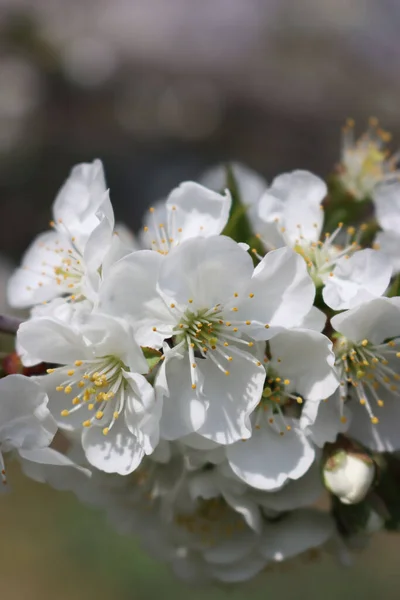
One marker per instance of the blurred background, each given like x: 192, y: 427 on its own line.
x: 160, y: 90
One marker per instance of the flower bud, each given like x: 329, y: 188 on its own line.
x: 349, y: 475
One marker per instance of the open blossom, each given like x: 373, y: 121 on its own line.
x: 67, y: 263
x: 207, y: 299
x: 365, y: 162
x: 386, y: 199
x: 26, y: 425
x: 191, y: 210
x: 290, y: 214
x: 300, y: 369
x: 368, y: 360
x: 99, y: 389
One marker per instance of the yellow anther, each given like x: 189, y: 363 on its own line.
x: 230, y: 358
x: 277, y: 379
x: 115, y: 415
x: 190, y: 300
x: 99, y: 414
x: 226, y: 344
x: 250, y: 344
x: 299, y: 400
x: 227, y: 373
x: 248, y: 322
x: 236, y: 294
x: 70, y: 372
x: 194, y: 386
x: 50, y: 371
x: 154, y: 328
x: 151, y: 209
x: 91, y: 406
x: 228, y: 323
x: 78, y: 363
x: 343, y: 419
x: 235, y: 309
x: 235, y: 329
x: 76, y: 401
x: 251, y: 295
x: 266, y: 326
x: 81, y: 384
x: 145, y: 229
x: 87, y: 423
x: 64, y: 413
x: 288, y: 428
x: 380, y: 403
x: 68, y: 389
x: 364, y: 343
x: 106, y: 430
x: 286, y: 381
x: 59, y: 388
x: 362, y: 401
x: 172, y: 305
x: 374, y: 420
x: 258, y: 363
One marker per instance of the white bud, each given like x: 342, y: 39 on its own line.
x: 349, y: 476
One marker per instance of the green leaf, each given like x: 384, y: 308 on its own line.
x: 152, y: 356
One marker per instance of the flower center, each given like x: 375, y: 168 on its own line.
x: 97, y: 388
x: 162, y: 237
x: 321, y: 257
x: 366, y: 369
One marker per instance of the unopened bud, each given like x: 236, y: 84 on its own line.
x: 349, y: 475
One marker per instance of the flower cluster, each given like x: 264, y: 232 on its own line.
x: 216, y: 376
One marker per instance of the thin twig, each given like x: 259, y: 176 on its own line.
x: 9, y: 324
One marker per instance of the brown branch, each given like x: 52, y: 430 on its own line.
x: 9, y: 324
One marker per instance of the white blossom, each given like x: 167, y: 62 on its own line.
x: 365, y: 161
x: 368, y: 354
x: 26, y: 425
x: 99, y: 390
x: 69, y: 261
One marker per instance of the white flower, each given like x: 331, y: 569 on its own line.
x: 291, y: 215
x: 365, y: 162
x: 357, y: 279
x: 386, y: 199
x: 368, y: 353
x: 349, y: 475
x: 290, y: 210
x: 207, y: 298
x: 69, y: 261
x: 100, y: 390
x: 297, y: 362
x: 191, y: 210
x: 26, y: 425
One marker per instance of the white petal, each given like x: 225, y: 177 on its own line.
x: 307, y: 360
x: 362, y: 277
x: 375, y: 321
x: 295, y: 494
x: 250, y: 185
x: 184, y: 410
x: 230, y: 398
x: 386, y: 198
x: 389, y: 244
x: 129, y: 290
x: 295, y: 533
x: 267, y: 460
x: 323, y: 420
x: 283, y: 294
x: 25, y: 421
x: 81, y: 197
x: 49, y: 466
x: 117, y: 452
x: 35, y: 281
x: 207, y: 271
x: 380, y: 437
x: 51, y: 341
x: 197, y: 211
x: 243, y: 570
